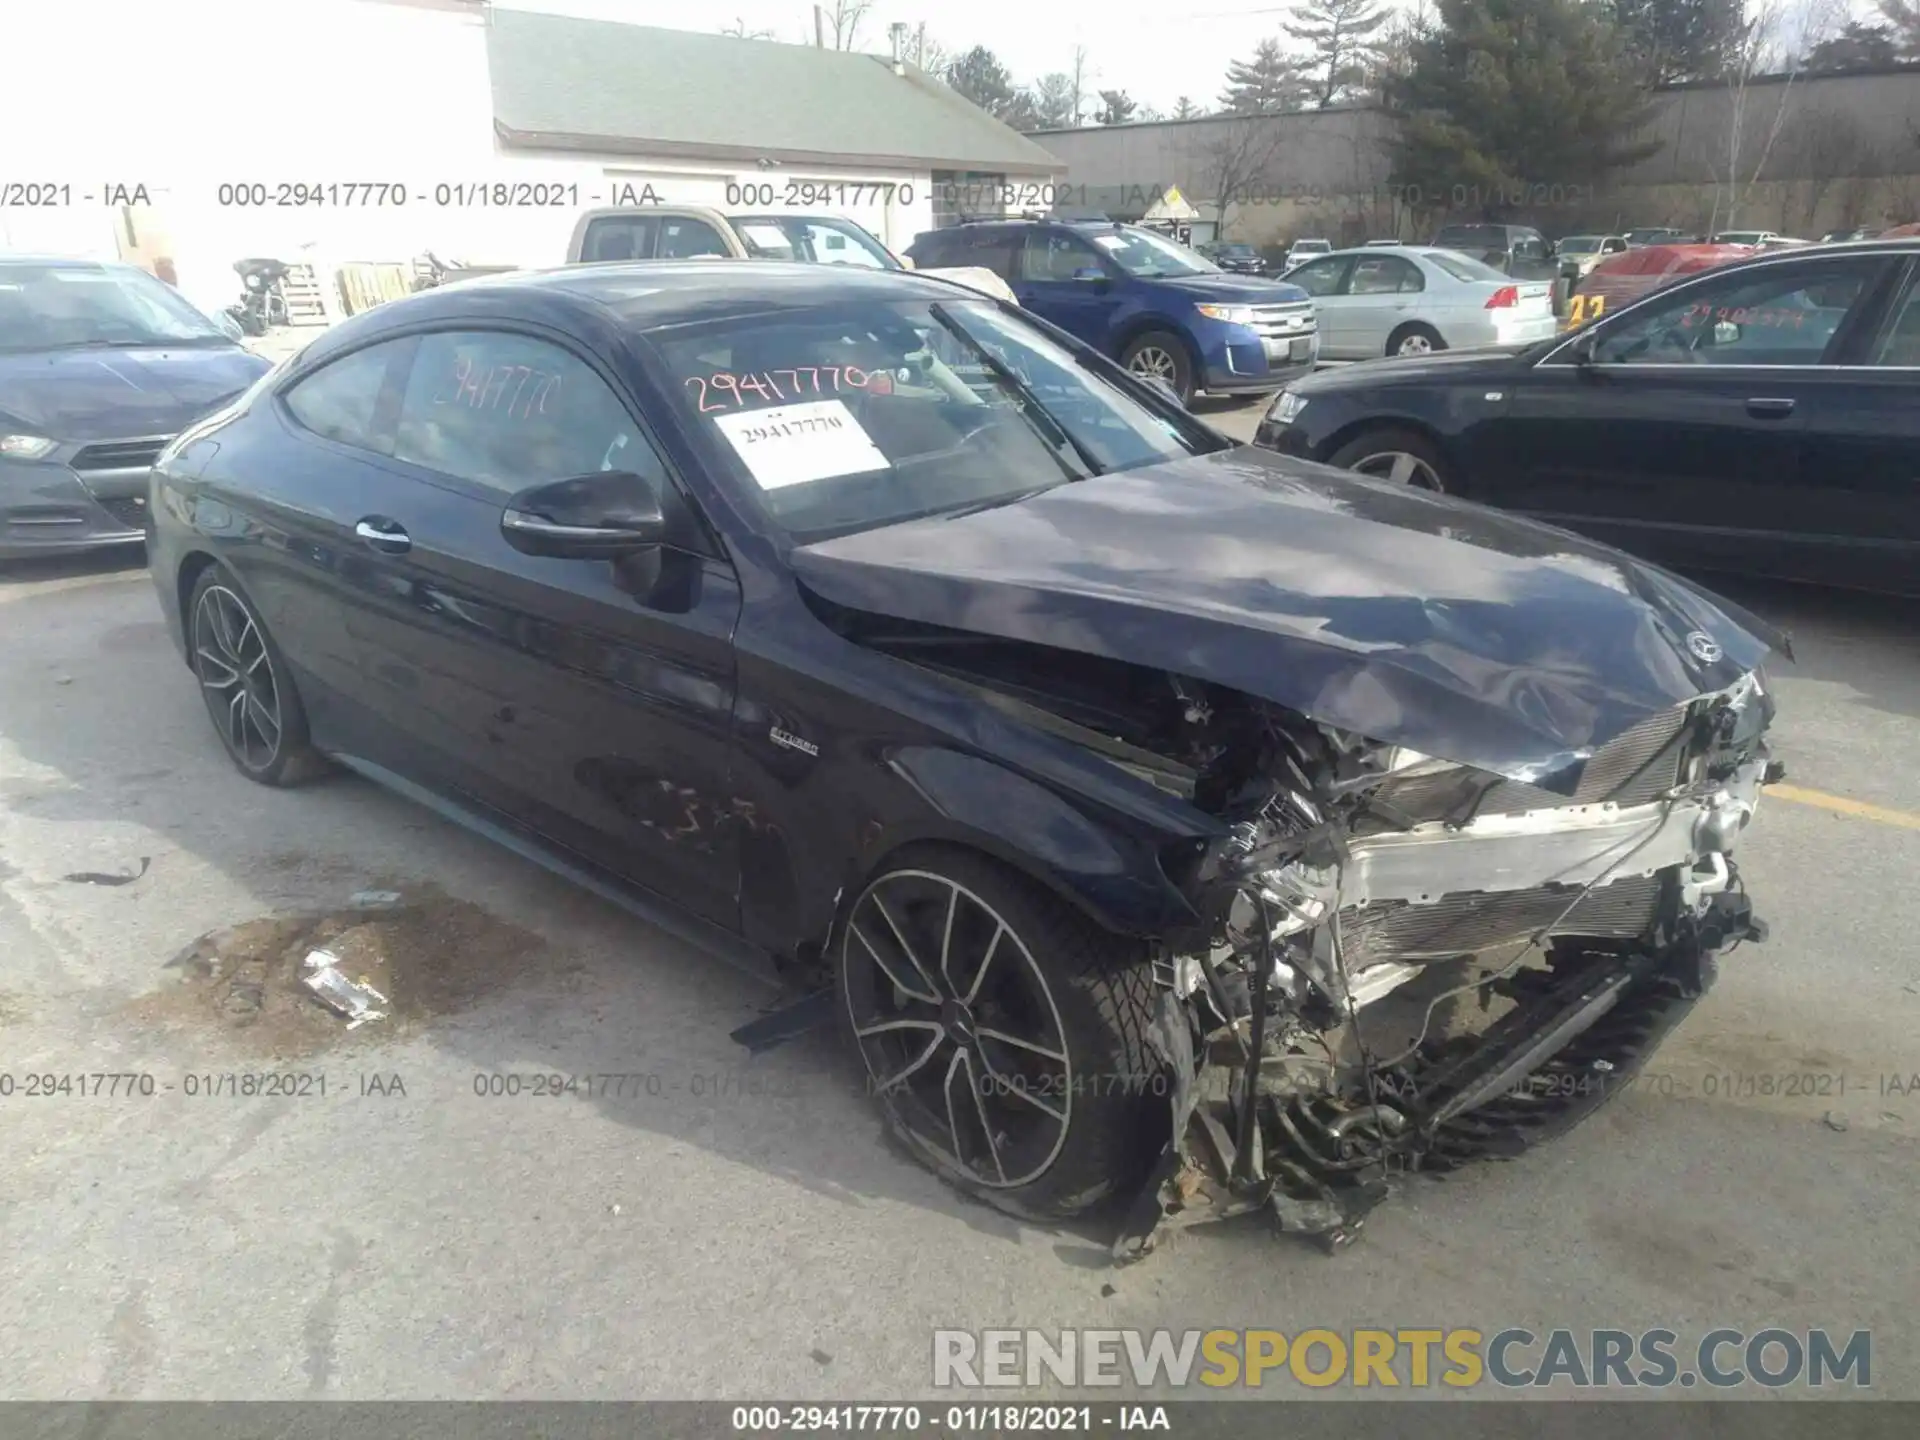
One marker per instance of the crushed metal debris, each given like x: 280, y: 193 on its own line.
x: 356, y: 1000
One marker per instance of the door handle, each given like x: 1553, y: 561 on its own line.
x: 1767, y: 407
x: 384, y: 534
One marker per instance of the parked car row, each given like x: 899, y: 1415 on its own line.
x: 1758, y: 416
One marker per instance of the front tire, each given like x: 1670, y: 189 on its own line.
x: 1402, y: 457
x: 1162, y: 355
x: 247, y: 685
x: 1003, y: 1035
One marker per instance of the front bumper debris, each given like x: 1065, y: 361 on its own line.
x: 1579, y: 1031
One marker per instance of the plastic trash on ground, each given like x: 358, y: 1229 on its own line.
x: 357, y: 1002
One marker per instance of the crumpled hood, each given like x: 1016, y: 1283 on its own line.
x: 120, y: 394
x: 1411, y: 618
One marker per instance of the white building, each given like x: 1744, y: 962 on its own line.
x: 330, y: 132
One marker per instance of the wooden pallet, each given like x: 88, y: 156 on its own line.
x: 305, y: 304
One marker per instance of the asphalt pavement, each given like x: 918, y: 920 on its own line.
x: 726, y: 1227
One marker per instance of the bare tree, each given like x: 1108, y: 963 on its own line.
x: 844, y: 18
x: 1756, y: 114
x: 1826, y: 146
x: 926, y: 52
x: 1236, y: 162
x: 739, y: 31
x: 1082, y: 76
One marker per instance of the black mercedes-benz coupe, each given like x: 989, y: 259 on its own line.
x: 1136, y: 800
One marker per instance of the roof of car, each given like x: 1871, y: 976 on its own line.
x: 646, y: 294
x: 64, y: 262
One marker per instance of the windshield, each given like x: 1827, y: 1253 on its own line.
x: 821, y: 240
x: 1147, y: 256
x: 1235, y: 250
x: 1314, y: 247
x: 1579, y: 244
x: 862, y: 413
x: 68, y: 307
x: 1465, y: 267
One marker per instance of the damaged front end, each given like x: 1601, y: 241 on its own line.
x: 1366, y: 899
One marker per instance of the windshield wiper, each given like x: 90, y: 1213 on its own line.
x: 1050, y: 430
x: 996, y: 501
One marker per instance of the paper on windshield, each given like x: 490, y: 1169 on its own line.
x: 1110, y: 242
x: 768, y: 237
x: 798, y: 444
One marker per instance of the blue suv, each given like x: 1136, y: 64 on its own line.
x: 1160, y: 309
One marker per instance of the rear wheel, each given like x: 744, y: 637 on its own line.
x: 1162, y: 355
x: 1400, y: 456
x: 1003, y: 1035
x: 1415, y: 339
x: 247, y: 686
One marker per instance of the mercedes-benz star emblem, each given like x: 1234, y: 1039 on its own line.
x: 1703, y: 647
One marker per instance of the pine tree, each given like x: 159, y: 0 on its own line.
x: 1116, y: 108
x: 1185, y: 109
x: 1340, y: 37
x: 1682, y: 39
x: 980, y: 77
x: 1265, y: 85
x: 1508, y: 95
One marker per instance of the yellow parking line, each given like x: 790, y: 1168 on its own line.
x: 1840, y: 805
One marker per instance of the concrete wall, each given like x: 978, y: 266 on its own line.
x: 185, y: 100
x: 1829, y: 152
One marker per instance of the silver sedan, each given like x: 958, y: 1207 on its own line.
x: 1414, y: 299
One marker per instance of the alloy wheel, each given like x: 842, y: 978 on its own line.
x: 1414, y: 344
x: 1400, y: 468
x: 959, y: 1032
x: 1151, y: 362
x: 236, y: 676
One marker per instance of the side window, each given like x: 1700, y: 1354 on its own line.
x: 340, y: 401
x: 619, y: 237
x: 684, y: 239
x: 1901, y: 347
x: 1614, y: 245
x: 995, y: 250
x: 1385, y: 275
x: 1529, y: 247
x: 831, y: 245
x: 1783, y: 315
x: 508, y: 411
x: 1049, y: 255
x: 1321, y: 277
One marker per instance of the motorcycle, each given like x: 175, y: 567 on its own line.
x: 430, y: 272
x: 263, y: 303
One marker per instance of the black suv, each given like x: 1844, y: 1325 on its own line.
x: 1164, y: 311
x: 1519, y: 250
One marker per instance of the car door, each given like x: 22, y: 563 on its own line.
x: 1326, y: 281
x: 588, y: 700
x: 289, y: 493
x: 1382, y: 294
x: 1683, y: 435
x: 1858, y: 506
x: 1045, y: 283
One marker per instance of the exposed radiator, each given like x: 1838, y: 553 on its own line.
x: 1473, y: 922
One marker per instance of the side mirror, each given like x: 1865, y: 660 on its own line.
x: 590, y: 517
x: 1090, y: 275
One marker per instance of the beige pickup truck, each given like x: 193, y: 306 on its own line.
x: 690, y: 232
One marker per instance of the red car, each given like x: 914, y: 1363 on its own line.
x: 1623, y: 278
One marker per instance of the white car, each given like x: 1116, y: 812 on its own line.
x: 1578, y: 254
x: 1415, y: 299
x: 1304, y: 250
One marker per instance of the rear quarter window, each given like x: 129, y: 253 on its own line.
x: 341, y: 401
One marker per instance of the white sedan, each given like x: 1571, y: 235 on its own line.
x: 1414, y: 299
